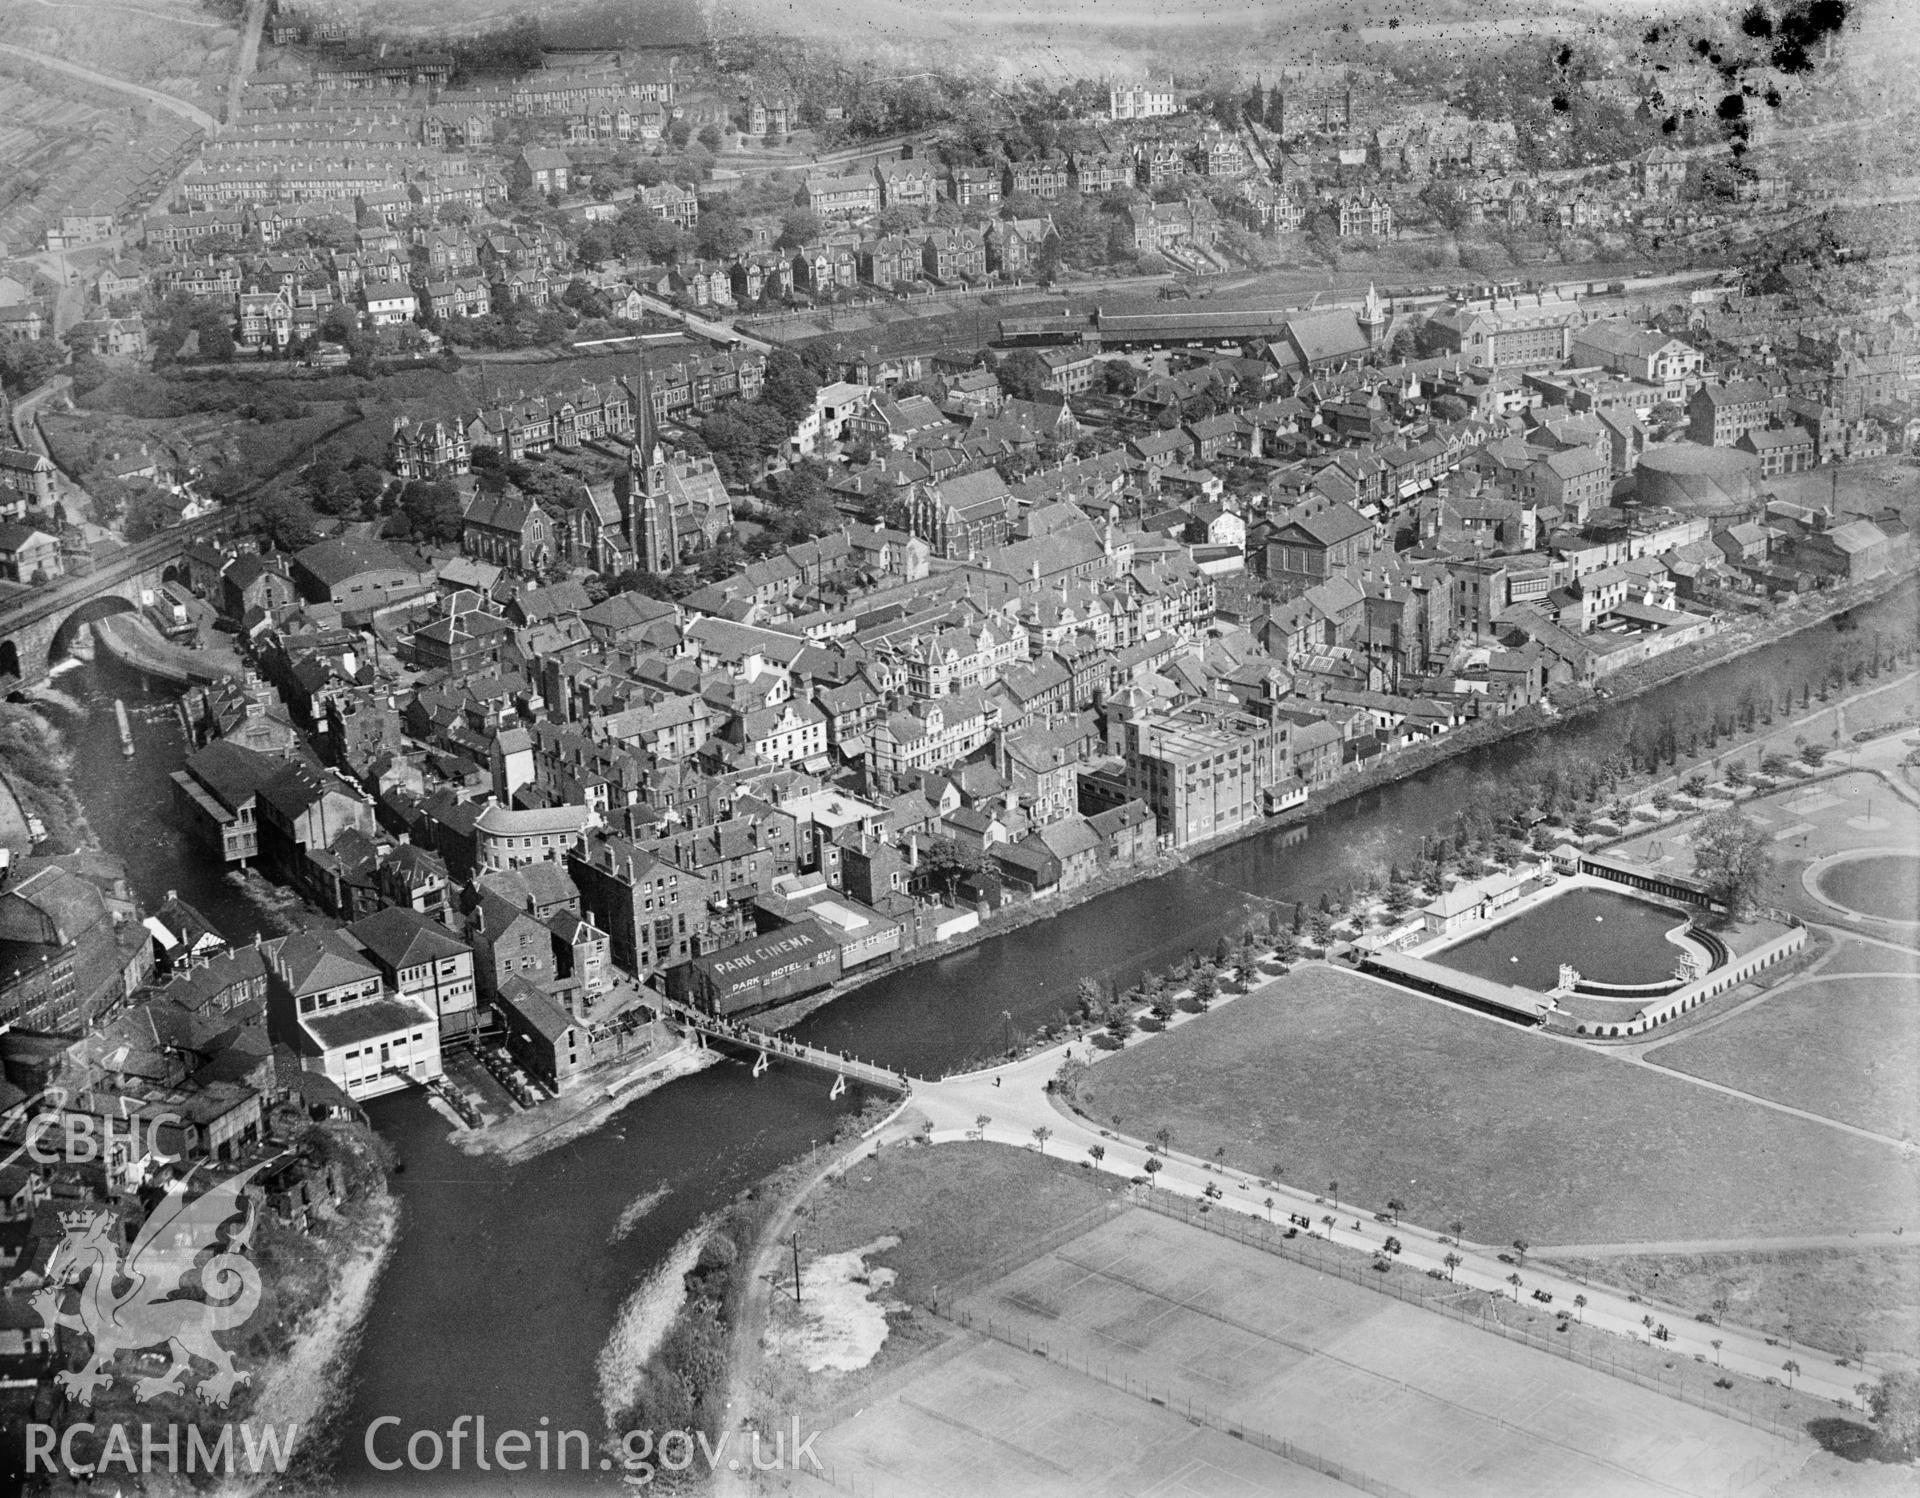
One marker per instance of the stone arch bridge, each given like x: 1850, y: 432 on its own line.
x: 37, y: 628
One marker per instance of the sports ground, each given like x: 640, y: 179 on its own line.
x: 1161, y: 1341
x: 991, y: 1419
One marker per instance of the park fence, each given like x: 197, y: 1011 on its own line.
x: 1329, y: 1260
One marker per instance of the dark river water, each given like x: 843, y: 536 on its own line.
x: 505, y: 1282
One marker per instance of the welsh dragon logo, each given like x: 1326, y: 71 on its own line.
x: 88, y: 1265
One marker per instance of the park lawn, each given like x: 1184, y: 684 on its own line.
x: 962, y: 1212
x: 1328, y: 1076
x: 1868, y: 957
x: 1836, y: 1298
x: 1842, y: 1047
x: 1836, y: 1472
x: 1895, y: 704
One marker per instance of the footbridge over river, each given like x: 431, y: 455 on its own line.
x: 37, y: 627
x: 769, y: 1047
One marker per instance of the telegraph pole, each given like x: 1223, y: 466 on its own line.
x: 794, y: 1244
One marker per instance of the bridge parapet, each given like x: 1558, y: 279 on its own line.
x: 34, y: 624
x: 770, y: 1045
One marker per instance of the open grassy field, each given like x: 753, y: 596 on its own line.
x: 961, y: 1212
x: 1338, y: 1078
x: 1407, y: 1397
x: 176, y: 48
x: 1870, y: 957
x: 1829, y: 1474
x: 1837, y: 1299
x: 1896, y: 704
x: 1842, y: 1047
x: 991, y: 1422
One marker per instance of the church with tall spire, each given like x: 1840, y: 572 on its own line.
x: 671, y: 504
x: 648, y: 506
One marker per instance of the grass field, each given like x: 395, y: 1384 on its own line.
x: 1407, y: 1397
x: 1869, y: 957
x: 1835, y: 1298
x: 1897, y: 704
x: 1842, y: 1047
x: 175, y: 48
x: 1514, y: 1135
x: 992, y: 1422
x: 961, y: 1212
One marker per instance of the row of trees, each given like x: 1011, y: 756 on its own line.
x: 1655, y: 739
x: 1202, y: 979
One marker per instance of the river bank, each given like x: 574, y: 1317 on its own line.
x: 307, y: 1384
x: 1721, y: 649
x: 1398, y: 765
x: 676, y: 1353
x: 1002, y: 922
x: 599, y: 1096
x: 36, y: 777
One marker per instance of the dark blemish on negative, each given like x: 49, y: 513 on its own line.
x: 1800, y: 28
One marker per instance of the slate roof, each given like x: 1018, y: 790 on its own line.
x: 400, y: 938
x: 343, y: 557
x: 314, y: 961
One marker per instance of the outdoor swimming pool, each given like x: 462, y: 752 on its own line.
x: 1610, y: 937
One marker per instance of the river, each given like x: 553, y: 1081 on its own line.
x: 504, y: 1283
x: 945, y: 1014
